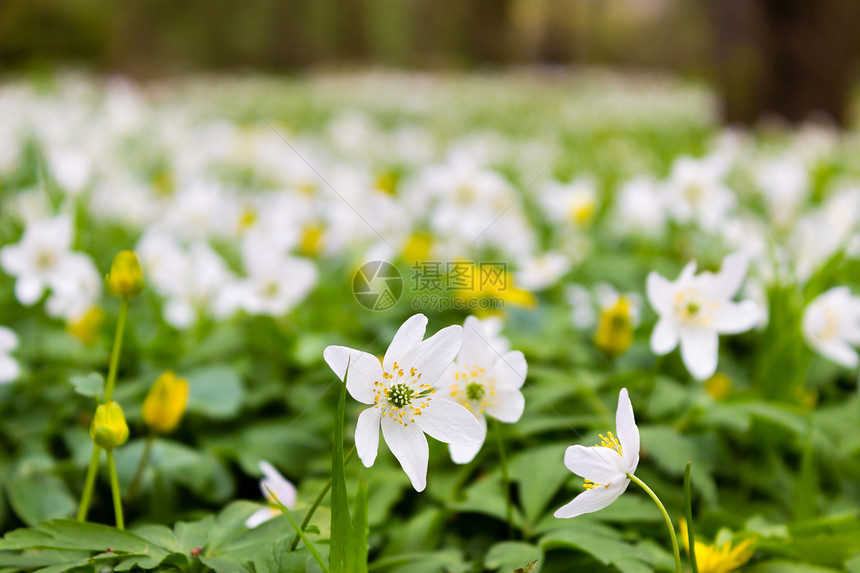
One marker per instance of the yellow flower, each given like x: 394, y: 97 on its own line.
x: 418, y: 247
x: 615, y: 328
x: 109, y: 429
x: 719, y: 386
x: 86, y: 328
x: 166, y: 402
x: 311, y: 242
x: 722, y: 559
x: 125, y: 278
x: 489, y: 281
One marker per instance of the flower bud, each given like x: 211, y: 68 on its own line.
x: 125, y: 277
x: 109, y: 429
x: 615, y: 328
x: 166, y: 402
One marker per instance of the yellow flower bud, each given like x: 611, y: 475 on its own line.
x: 125, y: 277
x: 615, y: 328
x: 166, y: 402
x: 109, y: 429
x: 719, y: 386
x: 86, y: 328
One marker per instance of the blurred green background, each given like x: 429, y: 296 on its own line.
x: 792, y: 58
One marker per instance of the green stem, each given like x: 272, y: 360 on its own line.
x: 114, y: 487
x: 668, y: 519
x: 117, y: 345
x: 317, y: 501
x: 90, y: 482
x: 300, y: 533
x: 688, y: 506
x: 506, y: 482
x: 141, y: 467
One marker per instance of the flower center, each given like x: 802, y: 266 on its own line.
x: 591, y: 485
x: 400, y: 395
x: 45, y: 260
x: 611, y: 442
x: 475, y: 391
x: 692, y: 308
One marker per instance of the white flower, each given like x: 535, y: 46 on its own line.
x: 605, y: 467
x: 42, y: 259
x: 272, y: 484
x: 9, y: 368
x: 573, y: 203
x: 542, y: 271
x: 485, y: 382
x: 831, y: 326
x: 695, y: 309
x: 696, y: 193
x: 640, y: 208
x: 402, y: 394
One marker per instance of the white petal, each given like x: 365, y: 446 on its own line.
x: 449, y: 422
x: 510, y: 370
x: 687, y: 272
x: 659, y: 292
x: 732, y: 274
x: 476, y: 349
x: 465, y: 453
x: 260, y: 516
x: 8, y: 339
x: 28, y: 289
x: 432, y: 356
x: 507, y: 406
x: 9, y: 369
x: 595, y: 463
x: 364, y: 370
x: 278, y: 485
x: 592, y: 500
x: 408, y: 335
x: 732, y: 317
x: 367, y: 435
x: 700, y: 351
x: 13, y: 259
x: 409, y: 446
x: 627, y: 431
x: 664, y: 337
x: 838, y: 351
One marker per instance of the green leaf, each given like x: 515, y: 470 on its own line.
x: 509, y: 555
x: 787, y: 567
x: 92, y: 384
x: 853, y: 564
x: 532, y: 567
x: 215, y: 391
x: 278, y: 559
x: 223, y: 565
x: 341, y: 559
x: 359, y: 527
x: 37, y: 495
x: 537, y: 488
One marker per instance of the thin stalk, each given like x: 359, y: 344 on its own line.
x: 668, y: 519
x: 316, y: 503
x: 117, y: 345
x: 114, y: 487
x: 300, y: 530
x: 141, y: 467
x: 506, y: 482
x: 688, y: 507
x: 90, y: 482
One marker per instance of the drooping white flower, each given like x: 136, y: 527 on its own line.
x: 402, y: 394
x: 605, y: 467
x: 831, y: 326
x: 272, y: 484
x: 9, y: 368
x: 695, y: 309
x: 485, y: 382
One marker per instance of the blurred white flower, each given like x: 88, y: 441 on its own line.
x: 605, y: 467
x: 640, y: 208
x: 695, y: 309
x: 697, y: 194
x: 587, y: 305
x: 573, y: 203
x: 197, y: 289
x: 401, y: 392
x: 42, y: 261
x: 542, y: 271
x: 485, y: 382
x: 831, y: 326
x: 784, y: 182
x: 272, y: 484
x: 9, y: 368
